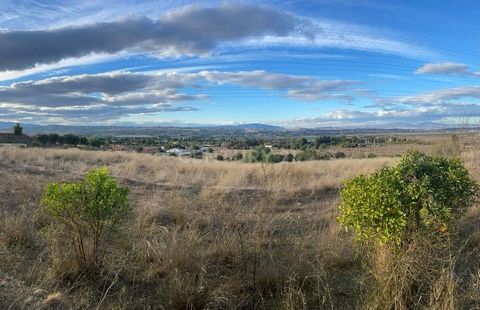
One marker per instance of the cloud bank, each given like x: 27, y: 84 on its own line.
x: 429, y: 108
x: 110, y: 96
x: 192, y: 31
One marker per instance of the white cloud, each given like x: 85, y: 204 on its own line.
x: 435, y: 116
x: 437, y: 97
x: 298, y: 87
x: 449, y: 68
x: 430, y: 108
x: 93, y: 97
x: 193, y: 30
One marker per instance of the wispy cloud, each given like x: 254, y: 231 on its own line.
x: 436, y: 97
x: 299, y: 87
x: 58, y: 67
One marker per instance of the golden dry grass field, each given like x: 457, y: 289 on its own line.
x: 211, y: 235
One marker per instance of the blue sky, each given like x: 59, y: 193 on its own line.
x: 291, y: 63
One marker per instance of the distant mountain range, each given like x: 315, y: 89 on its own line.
x: 136, y: 129
x: 217, y: 131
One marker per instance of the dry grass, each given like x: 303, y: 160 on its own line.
x: 187, y: 172
x: 207, y: 234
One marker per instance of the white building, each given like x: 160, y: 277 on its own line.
x: 178, y: 152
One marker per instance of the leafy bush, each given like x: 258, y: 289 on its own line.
x: 308, y: 154
x: 89, y: 210
x: 275, y: 158
x: 340, y: 155
x: 237, y: 156
x: 220, y: 157
x: 311, y: 154
x: 257, y: 155
x: 420, y: 192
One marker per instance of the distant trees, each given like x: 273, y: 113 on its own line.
x: 51, y: 138
x: 68, y: 139
x: 95, y: 142
x: 17, y: 129
x: 311, y: 154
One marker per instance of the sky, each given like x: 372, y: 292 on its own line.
x: 321, y: 63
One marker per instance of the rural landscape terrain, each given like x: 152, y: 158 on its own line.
x: 218, y: 234
x: 239, y: 154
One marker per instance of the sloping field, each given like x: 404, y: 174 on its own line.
x: 203, y: 234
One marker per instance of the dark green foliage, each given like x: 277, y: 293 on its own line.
x: 52, y: 138
x: 238, y: 156
x: 95, y: 142
x: 339, y: 155
x: 220, y: 157
x: 421, y: 192
x: 17, y: 129
x: 275, y: 158
x: 68, y: 139
x: 311, y: 154
x: 258, y: 155
x: 89, y: 211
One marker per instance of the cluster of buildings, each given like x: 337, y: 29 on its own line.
x: 161, y: 151
x: 24, y: 140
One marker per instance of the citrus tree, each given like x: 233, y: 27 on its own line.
x: 421, y: 192
x: 90, y: 210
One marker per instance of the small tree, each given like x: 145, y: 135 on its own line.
x: 421, y: 192
x: 238, y: 156
x: 17, y: 129
x: 90, y: 210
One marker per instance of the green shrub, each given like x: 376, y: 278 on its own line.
x: 220, y: 157
x: 275, y: 158
x: 420, y: 192
x: 89, y: 210
x: 308, y: 154
x: 340, y: 155
x: 237, y: 156
x: 258, y: 155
